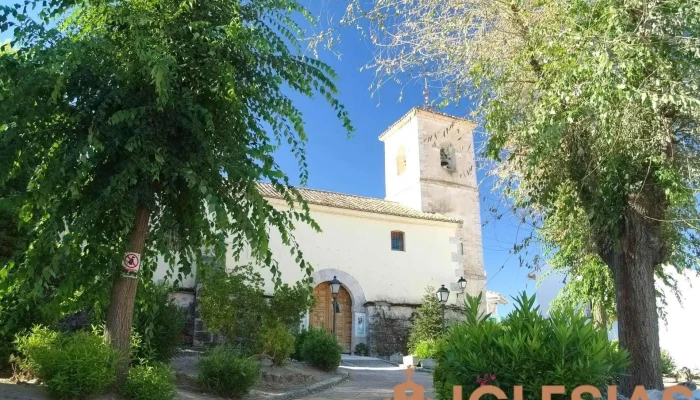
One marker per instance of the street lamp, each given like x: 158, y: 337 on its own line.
x: 462, y: 284
x: 335, y: 289
x: 442, y: 295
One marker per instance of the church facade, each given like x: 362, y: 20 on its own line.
x: 385, y: 252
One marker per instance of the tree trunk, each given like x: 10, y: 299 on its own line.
x: 600, y: 316
x: 121, y: 306
x: 633, y: 261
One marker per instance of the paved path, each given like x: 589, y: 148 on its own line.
x: 372, y: 379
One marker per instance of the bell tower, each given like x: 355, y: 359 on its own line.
x: 429, y: 166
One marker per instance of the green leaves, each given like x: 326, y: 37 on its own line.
x: 174, y: 105
x: 526, y: 349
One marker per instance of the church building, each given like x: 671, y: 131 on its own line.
x: 385, y: 252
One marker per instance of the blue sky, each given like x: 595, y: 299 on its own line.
x: 355, y: 165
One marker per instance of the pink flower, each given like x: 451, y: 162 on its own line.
x: 493, y: 377
x: 482, y: 383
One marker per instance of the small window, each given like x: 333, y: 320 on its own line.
x: 397, y: 241
x: 400, y: 160
x: 447, y: 157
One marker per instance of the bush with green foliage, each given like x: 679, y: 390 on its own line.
x: 277, y: 343
x: 361, y: 349
x: 299, y: 340
x: 525, y: 349
x: 225, y: 372
x: 159, y: 322
x: 289, y: 304
x: 321, y: 349
x: 233, y: 304
x: 668, y: 365
x: 150, y: 382
x: 72, y: 366
x: 428, y: 323
x: 426, y: 349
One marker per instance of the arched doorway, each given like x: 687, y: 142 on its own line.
x: 322, y: 314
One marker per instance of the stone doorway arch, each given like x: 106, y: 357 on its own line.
x: 356, y: 312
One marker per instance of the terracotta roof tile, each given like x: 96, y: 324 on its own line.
x: 357, y: 203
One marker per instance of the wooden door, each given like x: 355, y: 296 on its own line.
x: 322, y: 313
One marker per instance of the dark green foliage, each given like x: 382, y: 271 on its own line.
x: 299, y: 340
x: 321, y: 349
x: 525, y: 349
x: 668, y: 365
x: 428, y: 323
x: 176, y: 107
x: 159, y: 323
x: 361, y: 349
x: 277, y: 343
x: 225, y: 372
x: 72, y: 366
x: 150, y: 382
x: 18, y: 313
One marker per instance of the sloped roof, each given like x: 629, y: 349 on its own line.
x: 357, y: 203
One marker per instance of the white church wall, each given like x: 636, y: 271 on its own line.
x: 360, y: 244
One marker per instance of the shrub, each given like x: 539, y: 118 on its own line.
x: 71, y: 365
x: 233, y: 304
x: 299, y: 343
x: 428, y: 323
x: 361, y: 349
x: 668, y: 365
x: 425, y: 349
x: 278, y: 343
x: 525, y: 349
x: 223, y: 371
x: 150, y: 382
x: 289, y: 304
x: 321, y: 350
x: 159, y: 322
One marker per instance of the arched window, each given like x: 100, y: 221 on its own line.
x: 447, y: 157
x: 397, y: 241
x: 400, y: 160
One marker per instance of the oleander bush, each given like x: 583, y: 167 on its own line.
x: 150, y: 382
x: 525, y: 349
x: 224, y: 371
x: 72, y: 366
x: 321, y: 350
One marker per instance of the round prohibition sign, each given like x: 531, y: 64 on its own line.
x: 132, y: 262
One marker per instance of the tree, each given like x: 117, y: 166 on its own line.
x: 428, y: 323
x: 144, y: 126
x: 591, y: 112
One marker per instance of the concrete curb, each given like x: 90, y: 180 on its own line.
x: 295, y: 394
